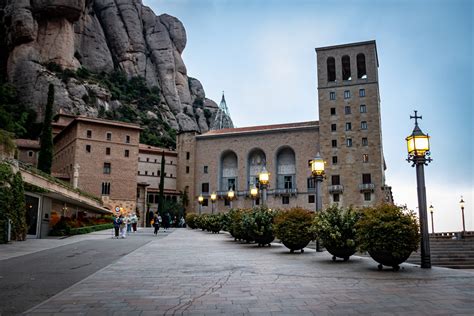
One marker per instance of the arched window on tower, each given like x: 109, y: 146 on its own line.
x: 256, y: 161
x: 331, y: 64
x: 286, y: 169
x: 361, y: 70
x: 346, y: 68
x: 229, y: 171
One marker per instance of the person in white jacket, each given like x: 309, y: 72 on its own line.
x: 123, y: 227
x: 134, y: 221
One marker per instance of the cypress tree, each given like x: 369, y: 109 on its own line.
x: 45, y: 158
x: 161, y: 193
x: 18, y: 207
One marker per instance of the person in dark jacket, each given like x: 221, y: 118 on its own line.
x: 156, y: 223
x: 117, y: 222
x: 166, y: 221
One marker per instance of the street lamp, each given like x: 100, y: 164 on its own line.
x: 461, y: 204
x: 230, y: 196
x: 432, y: 223
x: 317, y: 170
x: 254, y: 194
x: 200, y: 200
x: 418, y: 145
x: 213, y: 200
x: 264, y: 179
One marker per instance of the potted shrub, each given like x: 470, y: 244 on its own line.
x: 258, y: 224
x: 239, y: 232
x: 191, y: 220
x: 214, y: 223
x: 335, y: 227
x: 389, y: 234
x: 293, y: 228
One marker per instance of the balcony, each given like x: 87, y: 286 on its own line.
x: 285, y: 192
x: 367, y: 187
x: 337, y: 188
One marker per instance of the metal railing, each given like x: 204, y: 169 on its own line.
x: 336, y: 188
x: 367, y: 186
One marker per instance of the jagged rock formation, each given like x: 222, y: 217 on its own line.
x: 99, y: 36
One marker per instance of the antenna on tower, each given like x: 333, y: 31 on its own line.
x: 222, y: 119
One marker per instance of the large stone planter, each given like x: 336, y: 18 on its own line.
x: 387, y: 259
x: 264, y: 239
x: 296, y: 246
x: 341, y: 252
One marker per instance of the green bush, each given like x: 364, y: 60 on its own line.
x: 214, y: 223
x: 389, y: 230
x: 191, y: 220
x: 89, y: 229
x: 293, y: 228
x: 238, y: 230
x: 258, y: 224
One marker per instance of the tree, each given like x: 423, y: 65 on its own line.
x: 18, y: 208
x: 161, y: 193
x: 45, y: 158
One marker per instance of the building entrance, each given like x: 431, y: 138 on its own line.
x: 32, y: 215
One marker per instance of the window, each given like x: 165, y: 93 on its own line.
x: 363, y: 125
x: 89, y: 133
x: 127, y: 139
x: 367, y: 196
x: 107, y: 151
x: 331, y: 67
x: 361, y: 70
x: 171, y: 162
x: 205, y: 169
x: 336, y: 197
x: 30, y: 153
x: 366, y: 178
x: 187, y: 169
x: 107, y: 167
x: 333, y: 127
x: 311, y: 183
x: 205, y: 202
x: 148, y: 160
x: 347, y: 94
x: 349, y: 142
x: 109, y: 136
x: 332, y: 95
x: 311, y: 199
x: 205, y: 187
x: 231, y: 184
x: 146, y: 172
x: 334, y: 143
x: 226, y: 202
x: 346, y: 68
x: 138, y: 172
x: 365, y: 141
x: 88, y: 148
x: 285, y: 200
x: 288, y: 182
x: 333, y: 111
x: 105, y: 188
x: 188, y: 155
x: 348, y: 126
x: 158, y: 173
x: 334, y: 160
x: 361, y: 92
x: 365, y: 158
x: 153, y: 173
x: 127, y: 153
x: 347, y: 109
x: 363, y: 108
x: 335, y: 179
x: 257, y: 201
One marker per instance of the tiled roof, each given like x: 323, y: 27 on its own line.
x: 158, y: 150
x: 27, y: 143
x: 108, y: 122
x: 261, y: 128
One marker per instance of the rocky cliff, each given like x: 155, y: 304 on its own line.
x: 82, y: 45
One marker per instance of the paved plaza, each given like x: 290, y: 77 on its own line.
x: 192, y: 272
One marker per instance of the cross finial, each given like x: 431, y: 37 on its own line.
x: 416, y: 117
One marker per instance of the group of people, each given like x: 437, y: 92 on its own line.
x: 166, y: 221
x: 124, y: 225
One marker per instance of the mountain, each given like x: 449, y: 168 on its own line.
x: 106, y: 58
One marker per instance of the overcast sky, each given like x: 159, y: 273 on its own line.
x: 261, y: 53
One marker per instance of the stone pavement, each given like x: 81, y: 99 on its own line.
x: 198, y: 273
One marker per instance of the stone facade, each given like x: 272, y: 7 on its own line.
x: 100, y: 157
x: 28, y: 151
x: 349, y: 113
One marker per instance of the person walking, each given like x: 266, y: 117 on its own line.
x: 156, y: 223
x: 123, y: 227
x: 128, y: 220
x: 166, y: 221
x: 134, y: 220
x: 117, y: 222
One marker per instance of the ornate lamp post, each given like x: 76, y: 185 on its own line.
x: 418, y: 145
x: 200, y: 200
x: 317, y: 170
x: 461, y: 204
x: 254, y: 194
x: 432, y: 223
x: 264, y: 179
x: 213, y: 200
x: 230, y: 196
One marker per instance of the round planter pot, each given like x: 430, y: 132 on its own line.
x: 387, y: 259
x: 263, y: 240
x: 296, y: 246
x: 342, y: 252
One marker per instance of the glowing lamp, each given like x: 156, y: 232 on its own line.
x: 231, y: 194
x: 317, y: 165
x: 264, y: 176
x: 254, y: 192
x: 418, y: 144
x: 213, y: 196
x: 200, y: 199
x: 461, y: 203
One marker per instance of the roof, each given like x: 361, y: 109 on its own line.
x: 155, y: 150
x: 27, y: 143
x: 262, y: 128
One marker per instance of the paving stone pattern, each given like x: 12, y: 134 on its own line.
x: 197, y: 273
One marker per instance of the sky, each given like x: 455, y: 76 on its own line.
x: 261, y: 53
